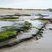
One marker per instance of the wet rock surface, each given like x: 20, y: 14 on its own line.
x: 42, y: 45
x: 24, y: 36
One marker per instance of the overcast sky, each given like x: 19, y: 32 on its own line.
x: 26, y: 3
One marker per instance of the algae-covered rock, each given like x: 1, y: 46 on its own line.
x: 12, y: 31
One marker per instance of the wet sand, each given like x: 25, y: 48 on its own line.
x: 42, y: 45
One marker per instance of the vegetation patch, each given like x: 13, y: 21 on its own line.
x: 10, y: 18
x: 5, y: 35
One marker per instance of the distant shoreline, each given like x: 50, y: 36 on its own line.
x: 24, y: 9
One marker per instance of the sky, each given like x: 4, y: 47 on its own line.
x: 26, y: 4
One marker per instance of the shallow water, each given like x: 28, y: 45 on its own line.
x: 43, y: 12
x: 35, y: 23
x: 5, y: 23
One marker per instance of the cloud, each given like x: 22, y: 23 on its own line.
x: 26, y: 3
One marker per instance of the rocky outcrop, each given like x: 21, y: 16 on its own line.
x: 23, y: 37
